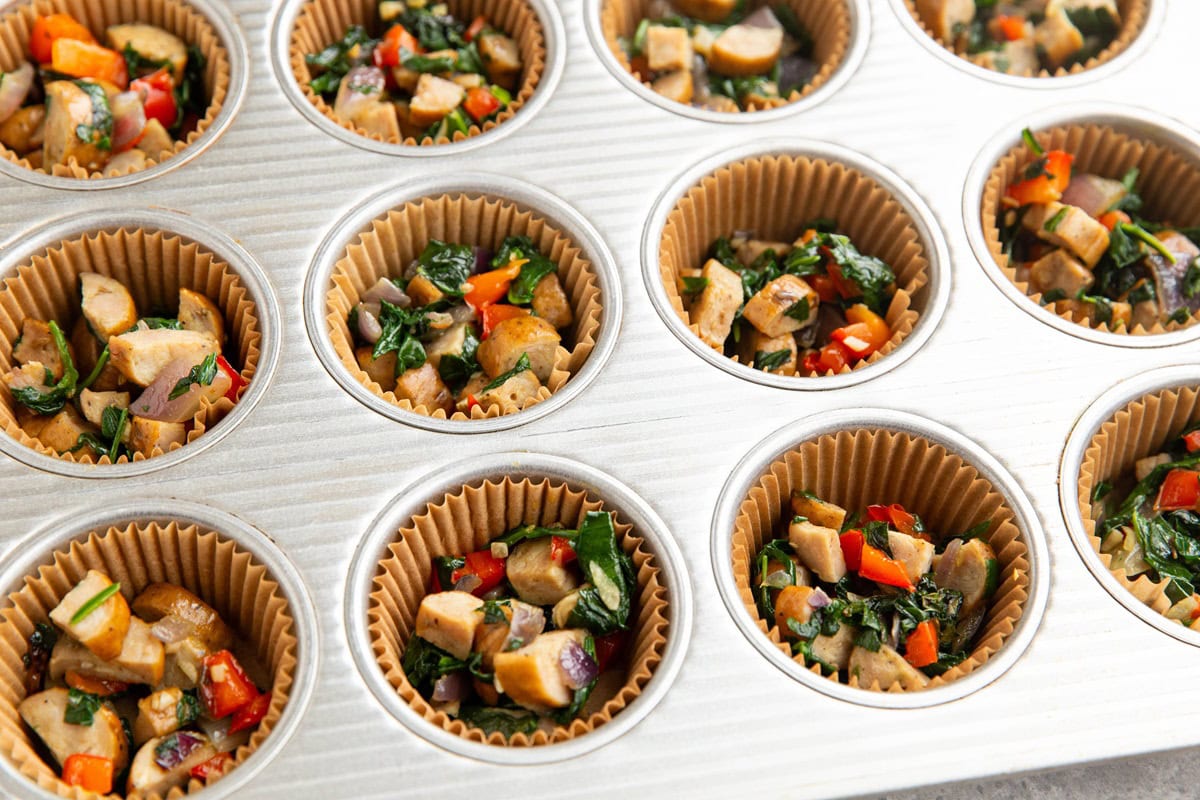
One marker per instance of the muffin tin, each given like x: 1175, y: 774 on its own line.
x: 313, y: 467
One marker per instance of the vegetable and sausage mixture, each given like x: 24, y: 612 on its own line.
x: 428, y: 76
x: 713, y: 54
x: 123, y: 383
x: 164, y: 662
x: 878, y: 601
x: 517, y: 635
x: 811, y: 306
x: 464, y: 328
x: 1023, y: 37
x: 101, y: 108
x: 1078, y: 239
x: 1155, y: 530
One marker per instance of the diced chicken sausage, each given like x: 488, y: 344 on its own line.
x: 37, y: 344
x: 745, y: 50
x: 105, y: 737
x: 107, y: 305
x: 835, y: 650
x: 550, y: 302
x: 94, y: 403
x: 155, y: 140
x: 707, y: 10
x: 1144, y: 466
x: 783, y: 306
x: 434, y: 98
x: 1114, y: 313
x: 1058, y: 39
x: 668, y: 48
x: 63, y: 430
x: 87, y: 349
x: 491, y: 637
x: 1059, y: 271
x: 142, y: 354
x: 532, y: 675
x: 69, y: 110
x: 141, y: 659
x: 817, y: 511
x: 792, y: 603
x: 449, y: 343
x: 448, y: 620
x: 757, y: 343
x: 819, y: 548
x: 25, y: 129
x: 422, y: 291
x: 885, y: 667
x: 915, y: 554
x: 536, y: 577
x: 422, y: 386
x: 157, y: 714
x: 512, y: 395
x: 151, y: 43
x: 677, y: 86
x: 382, y: 370
x: 501, y: 59
x: 974, y: 572
x: 146, y: 776
x: 1069, y: 227
x: 713, y: 312
x: 103, y: 630
x: 147, y: 434
x: 200, y: 314
x: 530, y: 335
x: 1014, y: 58
x: 160, y: 600
x: 946, y: 17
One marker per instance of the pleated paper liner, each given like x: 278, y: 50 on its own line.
x: 828, y: 22
x: 396, y: 238
x: 774, y: 196
x: 204, y: 562
x: 1133, y: 19
x: 322, y: 22
x: 1168, y: 182
x: 153, y: 265
x: 174, y: 16
x: 1143, y: 427
x: 866, y: 466
x: 466, y: 520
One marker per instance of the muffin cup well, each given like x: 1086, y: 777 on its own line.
x: 309, y: 26
x: 840, y: 30
x: 1136, y: 19
x: 1134, y: 419
x: 223, y: 560
x: 154, y: 253
x: 773, y: 188
x: 384, y: 235
x: 1108, y: 140
x: 202, y: 23
x: 877, y: 456
x: 461, y: 509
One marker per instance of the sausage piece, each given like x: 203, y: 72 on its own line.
x: 105, y: 737
x: 103, y: 630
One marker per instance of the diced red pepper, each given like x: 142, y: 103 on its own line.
x: 1180, y: 489
x: 879, y: 567
x: 898, y: 518
x: 1192, y: 441
x: 1109, y: 219
x: 481, y: 103
x: 397, y: 38
x: 1012, y: 27
x: 483, y: 565
x: 1047, y: 187
x: 213, y: 768
x: 856, y: 337
x: 475, y: 28
x: 224, y: 687
x: 489, y: 287
x: 832, y: 357
x: 52, y: 27
x: 472, y: 402
x: 640, y: 67
x: 495, y: 313
x: 236, y: 382
x: 823, y: 286
x: 96, y: 686
x: 878, y: 332
x: 561, y: 550
x: 157, y: 91
x: 94, y: 773
x: 921, y: 647
x: 609, y: 647
x: 852, y: 548
x: 250, y: 714
x: 87, y: 60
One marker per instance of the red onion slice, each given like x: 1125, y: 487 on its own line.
x: 483, y: 260
x: 468, y: 583
x: 175, y: 749
x: 451, y: 687
x: 171, y: 629
x: 14, y: 86
x: 368, y: 326
x: 526, y: 623
x: 1093, y: 193
x: 763, y: 18
x: 778, y: 579
x: 217, y: 731
x: 361, y: 88
x: 384, y: 289
x: 946, y: 564
x: 578, y: 668
x: 818, y: 598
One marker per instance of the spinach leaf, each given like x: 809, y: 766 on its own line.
x: 202, y: 374
x: 444, y: 568
x: 508, y: 722
x: 434, y: 32
x: 771, y: 361
x: 401, y: 331
x: 1191, y: 279
x: 81, y: 707
x: 418, y: 63
x: 526, y: 532
x: 804, y: 260
x: 739, y: 88
x: 187, y: 710
x: 493, y: 611
x: 339, y: 58
x: 155, y: 323
x: 52, y: 400
x: 1122, y: 249
x: 136, y: 64
x: 1093, y: 21
x: 190, y: 97
x: 875, y: 533
x: 532, y: 272
x: 447, y: 266
x: 1157, y: 539
x: 603, y: 606
x: 722, y: 251
x: 457, y: 368
x: 871, y: 275
x: 99, y: 132
x: 780, y: 551
x: 1101, y: 491
x: 424, y: 663
x: 694, y: 285
x: 522, y: 365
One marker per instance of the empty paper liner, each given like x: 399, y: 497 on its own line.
x: 322, y: 22
x: 1168, y: 182
x: 466, y: 520
x: 173, y: 16
x: 1141, y: 428
x: 396, y: 238
x: 874, y: 466
x: 774, y: 196
x: 1133, y: 19
x: 153, y: 265
x: 203, y: 561
x: 827, y: 21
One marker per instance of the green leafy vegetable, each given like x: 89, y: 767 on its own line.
x: 339, y: 58
x: 520, y: 292
x: 457, y: 368
x: 94, y: 602
x: 508, y: 722
x: 401, y: 331
x: 190, y: 97
x: 771, y: 361
x: 187, y: 710
x: 155, y: 323
x: 493, y: 611
x: 603, y: 606
x: 776, y: 551
x: 424, y: 663
x: 99, y: 132
x: 1052, y: 224
x: 871, y: 275
x: 1031, y: 142
x: 81, y: 707
x: 53, y: 400
x: 419, y: 63
x: 522, y: 365
x: 202, y: 374
x: 101, y: 363
x: 526, y: 532
x: 447, y: 266
x: 694, y: 285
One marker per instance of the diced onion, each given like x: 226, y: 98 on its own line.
x: 451, y: 687
x: 578, y: 668
x: 171, y: 629
x: 818, y: 598
x: 368, y: 326
x: 468, y: 583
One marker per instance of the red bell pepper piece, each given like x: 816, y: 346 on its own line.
x: 489, y: 287
x: 157, y: 91
x: 224, y: 687
x: 878, y: 332
x: 832, y: 357
x: 397, y: 38
x: 856, y: 337
x: 52, y: 27
x: 1192, y: 441
x: 495, y: 313
x: 94, y: 773
x: 823, y: 286
x: 1110, y: 219
x: 898, y: 518
x: 472, y: 402
x: 1047, y: 187
x: 1012, y: 27
x: 475, y: 28
x: 921, y: 647
x: 1180, y: 489
x: 236, y: 382
x: 609, y: 647
x: 483, y: 565
x: 561, y: 550
x: 213, y: 768
x: 87, y: 60
x: 96, y: 686
x: 852, y: 548
x: 250, y: 714
x: 481, y: 103
x: 879, y: 567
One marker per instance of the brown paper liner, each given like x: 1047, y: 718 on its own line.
x: 174, y: 16
x: 774, y: 196
x: 466, y: 520
x: 1169, y: 184
x: 828, y: 21
x: 136, y: 555
x: 322, y: 22
x: 153, y: 265
x: 395, y: 239
x: 1141, y: 428
x: 1133, y: 19
x: 867, y: 466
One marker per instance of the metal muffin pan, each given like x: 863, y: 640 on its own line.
x: 33, y: 549
x: 616, y: 496
x: 310, y: 467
